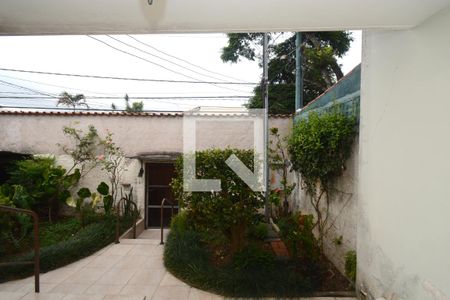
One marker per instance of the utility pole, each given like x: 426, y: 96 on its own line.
x: 298, y: 72
x: 265, y: 82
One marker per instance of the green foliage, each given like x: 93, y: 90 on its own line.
x: 113, y: 162
x: 134, y: 107
x: 259, y: 231
x: 279, y: 162
x: 66, y: 249
x: 320, y: 52
x: 103, y: 189
x: 83, y: 152
x: 229, y: 211
x: 39, y: 184
x: 350, y: 265
x: 253, y: 257
x: 53, y: 233
x: 252, y: 274
x: 73, y: 101
x: 319, y: 147
x: 84, y: 193
x: 296, y: 232
x: 179, y: 222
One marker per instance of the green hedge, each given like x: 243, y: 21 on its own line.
x: 84, y: 243
x: 186, y: 257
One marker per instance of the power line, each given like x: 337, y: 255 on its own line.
x: 183, y: 60
x: 162, y: 58
x: 136, y: 98
x: 159, y: 65
x: 126, y: 78
x: 25, y: 88
x: 58, y: 86
x: 141, y: 58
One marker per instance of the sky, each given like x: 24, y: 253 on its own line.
x: 172, y: 57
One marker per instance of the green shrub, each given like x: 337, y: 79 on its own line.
x: 187, y: 257
x: 296, y: 232
x: 259, y: 231
x: 319, y: 147
x: 350, y: 265
x: 39, y: 184
x: 179, y: 222
x: 52, y: 233
x: 85, y: 242
x: 253, y: 257
x: 229, y: 211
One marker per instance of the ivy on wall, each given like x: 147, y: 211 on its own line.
x: 319, y: 147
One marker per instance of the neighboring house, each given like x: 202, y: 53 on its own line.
x: 151, y: 142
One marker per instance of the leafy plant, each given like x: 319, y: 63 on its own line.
x: 253, y: 257
x: 279, y: 162
x: 113, y: 162
x: 39, y: 184
x: 350, y: 265
x: 84, y: 148
x: 296, y: 232
x: 229, y: 211
x: 108, y: 202
x: 259, y: 231
x: 319, y: 147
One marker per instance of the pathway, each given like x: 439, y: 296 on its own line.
x: 131, y: 270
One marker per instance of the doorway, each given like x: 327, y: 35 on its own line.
x: 158, y: 178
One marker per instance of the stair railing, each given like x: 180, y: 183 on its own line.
x: 162, y: 217
x: 36, y: 246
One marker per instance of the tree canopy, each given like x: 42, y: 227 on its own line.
x: 320, y: 51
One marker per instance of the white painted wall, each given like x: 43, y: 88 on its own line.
x: 342, y: 212
x: 40, y: 134
x: 404, y: 168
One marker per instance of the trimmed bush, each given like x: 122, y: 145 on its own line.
x: 229, y: 212
x: 251, y: 274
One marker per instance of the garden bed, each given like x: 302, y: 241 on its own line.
x: 62, y: 243
x: 253, y: 272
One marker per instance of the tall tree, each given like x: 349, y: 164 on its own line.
x: 320, y: 51
x: 73, y: 101
x: 134, y: 107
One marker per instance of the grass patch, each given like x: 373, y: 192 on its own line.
x: 187, y: 257
x: 63, y: 249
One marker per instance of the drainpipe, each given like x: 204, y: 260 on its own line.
x: 298, y: 72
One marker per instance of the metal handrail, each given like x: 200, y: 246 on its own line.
x: 35, y: 242
x: 118, y: 218
x: 162, y: 217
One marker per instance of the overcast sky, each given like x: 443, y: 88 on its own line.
x: 198, y: 60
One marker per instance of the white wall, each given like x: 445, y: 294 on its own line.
x: 40, y: 134
x: 404, y: 168
x: 342, y: 217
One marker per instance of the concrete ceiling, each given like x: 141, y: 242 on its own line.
x: 36, y: 17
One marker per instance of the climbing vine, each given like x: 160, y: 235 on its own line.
x: 319, y: 147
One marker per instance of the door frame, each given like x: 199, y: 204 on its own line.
x: 155, y: 158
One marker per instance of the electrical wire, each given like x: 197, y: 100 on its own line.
x: 236, y: 98
x: 159, y: 65
x: 162, y: 58
x: 183, y: 60
x: 126, y: 78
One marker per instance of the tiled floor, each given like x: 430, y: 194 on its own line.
x: 131, y: 270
